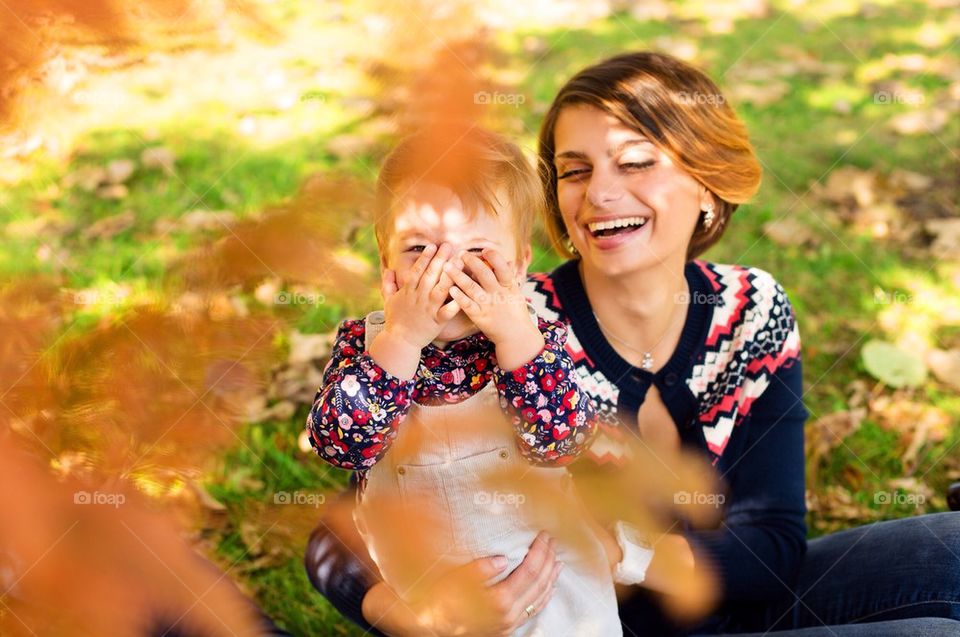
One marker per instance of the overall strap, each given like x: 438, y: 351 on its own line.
x: 373, y: 325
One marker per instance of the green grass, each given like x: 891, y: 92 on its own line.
x: 799, y: 140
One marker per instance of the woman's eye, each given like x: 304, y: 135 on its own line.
x: 416, y: 248
x: 477, y: 250
x: 572, y: 173
x: 638, y: 165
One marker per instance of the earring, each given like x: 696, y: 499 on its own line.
x: 708, y: 216
x: 568, y: 244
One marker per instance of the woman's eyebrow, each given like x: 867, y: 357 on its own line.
x: 570, y: 154
x: 616, y: 150
x: 630, y: 143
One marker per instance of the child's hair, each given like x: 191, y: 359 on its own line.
x: 678, y: 108
x: 472, y: 162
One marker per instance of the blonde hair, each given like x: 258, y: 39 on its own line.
x: 678, y: 108
x: 472, y: 162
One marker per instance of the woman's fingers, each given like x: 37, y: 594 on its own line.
x: 431, y: 274
x: 484, y: 568
x: 501, y: 268
x: 541, y: 602
x: 536, y: 565
x: 540, y: 585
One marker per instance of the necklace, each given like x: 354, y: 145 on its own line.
x: 646, y: 362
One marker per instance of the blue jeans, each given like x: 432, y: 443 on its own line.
x: 896, y: 578
x: 899, y: 577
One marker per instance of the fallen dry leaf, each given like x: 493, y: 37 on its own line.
x: 919, y: 122
x: 87, y: 178
x: 158, y: 157
x: 849, y: 184
x: 759, y: 94
x: 945, y: 365
x: 305, y: 348
x: 908, y: 180
x: 917, y: 424
x: 115, y: 192
x: 120, y: 170
x: 946, y: 242
x: 109, y: 227
x: 826, y: 433
x: 789, y: 231
x: 206, y: 500
x: 212, y: 220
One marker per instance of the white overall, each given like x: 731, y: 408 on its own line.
x: 445, y: 475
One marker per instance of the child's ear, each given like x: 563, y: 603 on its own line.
x: 526, y: 256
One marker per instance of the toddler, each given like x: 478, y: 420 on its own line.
x: 457, y: 386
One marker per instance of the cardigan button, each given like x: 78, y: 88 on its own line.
x: 401, y: 471
x: 670, y: 379
x: 504, y: 454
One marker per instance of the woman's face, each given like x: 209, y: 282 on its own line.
x: 626, y: 206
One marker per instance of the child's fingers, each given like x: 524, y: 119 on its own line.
x: 481, y: 271
x: 420, y: 265
x: 388, y: 284
x: 501, y: 269
x: 465, y: 303
x: 465, y: 285
x: 448, y: 311
x: 433, y: 270
x: 438, y: 295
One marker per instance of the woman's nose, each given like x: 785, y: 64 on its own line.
x: 603, y: 189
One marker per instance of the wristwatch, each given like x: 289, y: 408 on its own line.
x: 637, y: 555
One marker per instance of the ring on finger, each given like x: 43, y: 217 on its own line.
x: 529, y: 610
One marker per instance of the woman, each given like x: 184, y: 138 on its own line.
x: 643, y: 164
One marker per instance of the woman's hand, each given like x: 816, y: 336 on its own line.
x: 461, y: 604
x: 690, y: 590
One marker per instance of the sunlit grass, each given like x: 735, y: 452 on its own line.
x: 253, y: 121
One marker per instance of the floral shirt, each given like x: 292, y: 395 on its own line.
x: 360, y: 406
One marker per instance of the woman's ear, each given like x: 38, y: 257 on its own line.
x: 707, y: 198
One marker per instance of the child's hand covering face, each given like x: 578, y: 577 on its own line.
x: 487, y: 290
x: 418, y: 311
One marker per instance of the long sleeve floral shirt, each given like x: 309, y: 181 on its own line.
x: 360, y: 406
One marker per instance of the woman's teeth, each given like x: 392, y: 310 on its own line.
x: 613, y: 226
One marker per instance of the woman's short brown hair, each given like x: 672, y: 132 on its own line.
x: 678, y: 108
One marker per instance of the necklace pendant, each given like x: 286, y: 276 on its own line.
x: 647, y: 362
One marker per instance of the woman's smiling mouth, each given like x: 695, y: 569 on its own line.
x: 611, y: 227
